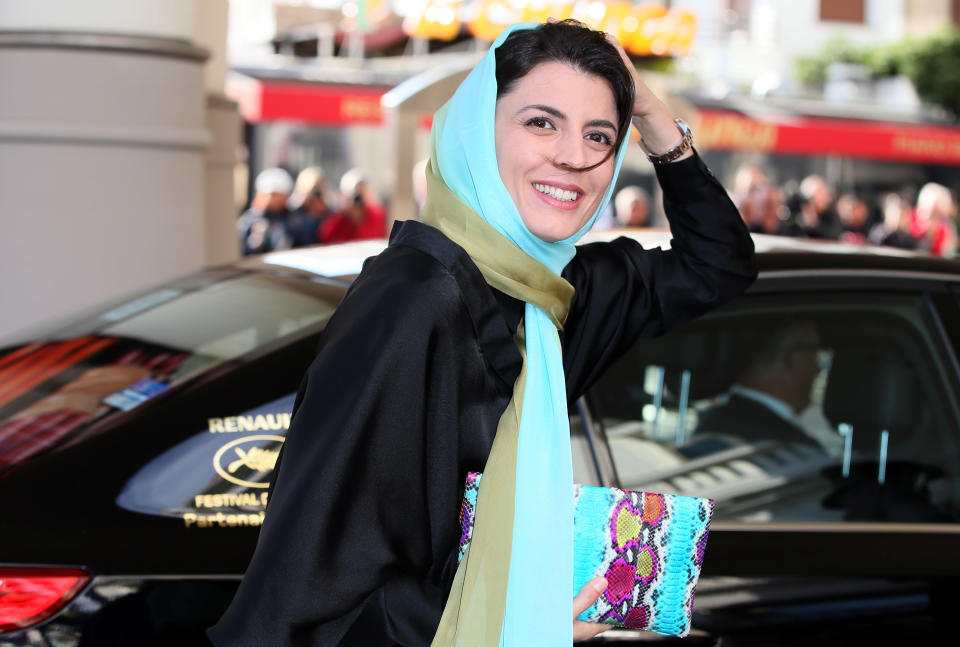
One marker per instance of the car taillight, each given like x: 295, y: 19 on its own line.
x: 31, y: 595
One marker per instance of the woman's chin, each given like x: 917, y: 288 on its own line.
x: 551, y: 235
x: 554, y: 228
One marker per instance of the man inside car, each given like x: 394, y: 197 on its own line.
x: 772, y: 390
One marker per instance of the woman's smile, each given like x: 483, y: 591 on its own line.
x: 554, y: 134
x: 565, y: 196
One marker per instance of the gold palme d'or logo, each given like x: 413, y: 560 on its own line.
x: 245, y: 458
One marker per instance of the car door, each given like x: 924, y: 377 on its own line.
x: 821, y: 412
x: 156, y: 495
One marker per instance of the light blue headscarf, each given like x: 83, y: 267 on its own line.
x: 540, y: 585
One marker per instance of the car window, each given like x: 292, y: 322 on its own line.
x: 793, y: 407
x: 54, y: 388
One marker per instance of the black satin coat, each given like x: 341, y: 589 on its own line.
x: 414, y: 370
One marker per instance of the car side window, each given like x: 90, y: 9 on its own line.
x: 793, y: 407
x: 65, y: 387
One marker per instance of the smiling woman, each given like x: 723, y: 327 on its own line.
x: 458, y: 349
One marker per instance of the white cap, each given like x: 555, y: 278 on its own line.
x: 273, y: 180
x: 350, y: 180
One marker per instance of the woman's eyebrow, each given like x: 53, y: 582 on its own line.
x: 550, y: 110
x: 601, y: 123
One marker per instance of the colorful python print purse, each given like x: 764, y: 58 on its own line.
x: 648, y: 546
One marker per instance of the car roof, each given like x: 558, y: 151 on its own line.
x: 342, y: 262
x: 781, y: 253
x: 339, y: 262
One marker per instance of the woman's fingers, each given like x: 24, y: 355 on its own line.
x: 588, y: 595
x: 583, y: 601
x: 650, y: 114
x: 645, y: 101
x: 623, y: 54
x: 587, y: 630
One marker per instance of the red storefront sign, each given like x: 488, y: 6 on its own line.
x: 797, y: 135
x: 329, y: 105
x: 318, y: 104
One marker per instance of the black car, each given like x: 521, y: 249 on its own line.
x: 137, y: 442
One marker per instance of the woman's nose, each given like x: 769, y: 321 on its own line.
x: 571, y: 152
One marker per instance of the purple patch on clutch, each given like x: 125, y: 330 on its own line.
x: 701, y: 547
x: 636, y: 619
x: 466, y: 526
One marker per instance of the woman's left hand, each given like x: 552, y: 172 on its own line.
x: 650, y: 114
x: 585, y: 598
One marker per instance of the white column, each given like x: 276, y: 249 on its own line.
x: 224, y: 126
x: 103, y: 151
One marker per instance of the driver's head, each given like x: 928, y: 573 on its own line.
x: 783, y: 362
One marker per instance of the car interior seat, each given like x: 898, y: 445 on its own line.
x: 874, y: 397
x: 690, y: 363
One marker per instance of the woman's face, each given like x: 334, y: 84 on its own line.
x: 554, y: 121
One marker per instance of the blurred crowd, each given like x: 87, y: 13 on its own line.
x: 285, y: 213
x: 812, y: 209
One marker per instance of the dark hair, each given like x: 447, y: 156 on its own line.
x: 583, y: 49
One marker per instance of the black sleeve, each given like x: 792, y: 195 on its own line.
x: 624, y: 291
x: 359, y: 542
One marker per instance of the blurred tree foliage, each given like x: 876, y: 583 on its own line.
x: 813, y: 69
x: 934, y: 67
x: 931, y: 63
x: 658, y: 64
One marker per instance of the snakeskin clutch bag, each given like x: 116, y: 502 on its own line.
x: 648, y: 546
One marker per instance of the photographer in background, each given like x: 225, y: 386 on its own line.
x: 361, y: 216
x: 265, y: 227
x: 309, y: 205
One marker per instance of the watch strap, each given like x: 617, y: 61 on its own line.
x: 686, y: 143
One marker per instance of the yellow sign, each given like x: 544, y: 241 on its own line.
x: 231, y: 500
x: 437, y: 20
x: 648, y: 29
x: 222, y: 520
x: 262, y: 422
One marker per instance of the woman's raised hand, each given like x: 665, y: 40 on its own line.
x: 585, y: 598
x: 650, y: 114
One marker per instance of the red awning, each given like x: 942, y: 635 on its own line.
x: 725, y: 130
x: 333, y: 105
x: 319, y: 104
